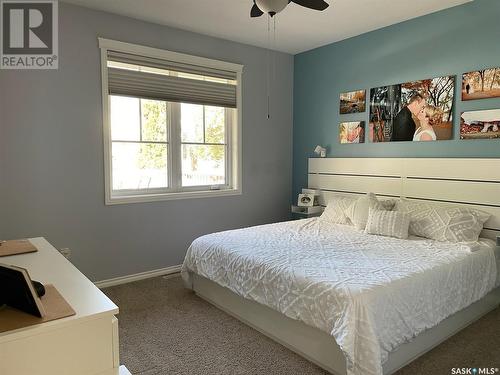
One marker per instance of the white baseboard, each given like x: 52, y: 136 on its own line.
x: 138, y: 276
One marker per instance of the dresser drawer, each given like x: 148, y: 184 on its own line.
x: 81, y: 348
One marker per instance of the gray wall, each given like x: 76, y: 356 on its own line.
x: 51, y: 153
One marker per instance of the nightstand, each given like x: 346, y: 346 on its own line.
x: 305, y: 212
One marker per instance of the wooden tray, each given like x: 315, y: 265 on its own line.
x: 56, y: 307
x: 14, y: 247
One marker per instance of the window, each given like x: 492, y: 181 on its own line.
x: 171, y: 124
x: 203, y: 135
x: 139, y: 144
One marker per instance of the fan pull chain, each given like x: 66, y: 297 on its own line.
x: 274, y: 49
x: 271, y: 62
x: 268, y: 67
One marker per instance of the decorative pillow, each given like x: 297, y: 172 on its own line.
x: 388, y: 223
x: 443, y: 222
x: 388, y: 204
x: 335, y: 210
x: 357, y: 212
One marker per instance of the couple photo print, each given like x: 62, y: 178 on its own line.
x: 413, y: 111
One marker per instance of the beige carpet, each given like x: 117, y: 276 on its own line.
x: 166, y: 330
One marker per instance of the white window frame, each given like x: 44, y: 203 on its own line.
x: 233, y: 132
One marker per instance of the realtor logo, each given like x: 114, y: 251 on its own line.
x: 29, y: 37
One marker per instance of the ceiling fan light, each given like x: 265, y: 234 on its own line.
x: 271, y: 6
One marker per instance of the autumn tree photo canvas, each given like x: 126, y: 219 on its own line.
x: 352, y: 132
x: 480, y: 124
x: 353, y: 102
x: 481, y: 84
x: 413, y: 111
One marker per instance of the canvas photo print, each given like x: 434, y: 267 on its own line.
x: 352, y: 132
x: 413, y: 111
x: 353, y: 102
x: 480, y: 124
x: 481, y: 84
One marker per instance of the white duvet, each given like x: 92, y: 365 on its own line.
x: 371, y: 293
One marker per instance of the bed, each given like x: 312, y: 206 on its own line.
x: 353, y: 303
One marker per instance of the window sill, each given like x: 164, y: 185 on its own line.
x: 127, y: 199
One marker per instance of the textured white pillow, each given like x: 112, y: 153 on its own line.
x: 358, y: 211
x: 443, y: 222
x: 388, y: 203
x: 388, y: 223
x: 335, y: 210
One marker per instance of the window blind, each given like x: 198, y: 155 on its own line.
x: 172, y: 87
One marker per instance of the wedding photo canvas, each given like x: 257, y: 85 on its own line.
x: 414, y: 111
x: 353, y: 102
x: 480, y: 124
x: 481, y: 84
x: 352, y: 132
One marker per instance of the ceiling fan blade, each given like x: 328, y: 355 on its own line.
x: 312, y: 4
x: 256, y: 12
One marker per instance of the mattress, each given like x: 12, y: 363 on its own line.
x: 486, y: 243
x: 371, y: 293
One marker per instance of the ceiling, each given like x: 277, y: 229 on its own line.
x: 298, y: 29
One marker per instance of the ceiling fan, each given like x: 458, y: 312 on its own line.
x: 272, y: 7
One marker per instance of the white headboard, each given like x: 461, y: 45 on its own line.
x: 470, y: 182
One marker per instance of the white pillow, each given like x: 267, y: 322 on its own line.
x: 335, y: 210
x: 388, y: 223
x: 440, y: 222
x: 357, y: 212
x: 388, y: 203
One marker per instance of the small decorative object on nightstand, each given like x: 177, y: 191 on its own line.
x: 315, y: 193
x: 308, y: 204
x: 306, y: 200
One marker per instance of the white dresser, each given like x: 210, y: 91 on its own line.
x: 83, y: 344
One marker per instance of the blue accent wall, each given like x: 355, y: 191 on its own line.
x: 450, y: 42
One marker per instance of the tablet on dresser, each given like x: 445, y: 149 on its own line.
x: 16, y: 290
